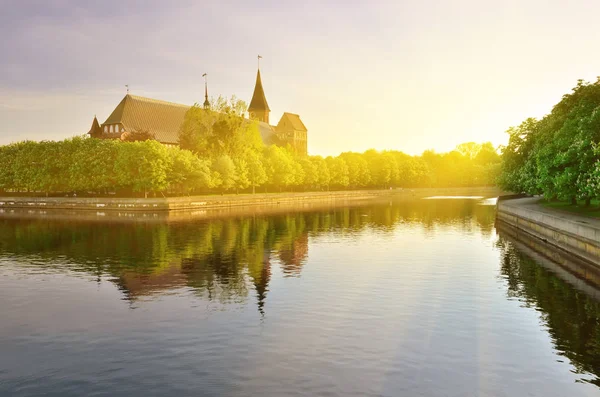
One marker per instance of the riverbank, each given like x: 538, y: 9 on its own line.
x: 211, y: 207
x: 577, y: 235
x: 211, y: 202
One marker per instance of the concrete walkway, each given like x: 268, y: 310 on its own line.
x: 576, y: 234
x: 533, y: 204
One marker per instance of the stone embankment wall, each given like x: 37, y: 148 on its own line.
x: 184, y: 203
x: 210, y: 202
x: 576, y: 235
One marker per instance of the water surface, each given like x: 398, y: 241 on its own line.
x: 419, y: 298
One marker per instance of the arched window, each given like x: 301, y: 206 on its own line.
x: 117, y: 128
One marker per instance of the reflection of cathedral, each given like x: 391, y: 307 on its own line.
x: 215, y: 275
x: 261, y: 282
x: 293, y: 259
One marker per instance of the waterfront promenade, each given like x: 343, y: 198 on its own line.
x: 576, y: 234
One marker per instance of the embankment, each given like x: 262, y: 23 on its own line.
x: 575, y: 236
x: 184, y: 203
x: 183, y: 209
x: 225, y: 201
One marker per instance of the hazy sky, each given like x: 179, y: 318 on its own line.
x: 406, y: 75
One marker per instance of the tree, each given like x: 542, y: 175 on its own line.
x: 256, y: 170
x: 224, y: 171
x: 310, y: 172
x: 187, y: 172
x: 324, y: 178
x: 358, y: 169
x: 143, y: 166
x: 137, y: 136
x: 279, y: 166
x: 220, y: 130
x: 556, y: 155
x: 338, y: 171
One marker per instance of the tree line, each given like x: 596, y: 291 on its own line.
x: 558, y: 155
x: 220, y: 151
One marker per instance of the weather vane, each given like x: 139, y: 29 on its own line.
x: 259, y: 57
x: 127, y: 86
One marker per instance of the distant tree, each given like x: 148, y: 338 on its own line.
x: 220, y: 130
x: 188, y: 172
x: 143, y: 166
x: 137, y: 136
x: 338, y: 171
x: 324, y: 178
x: 469, y: 149
x: 310, y: 172
x: 224, y: 172
x: 256, y: 170
x: 358, y: 169
x: 279, y: 167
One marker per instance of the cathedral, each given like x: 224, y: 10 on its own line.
x: 163, y: 121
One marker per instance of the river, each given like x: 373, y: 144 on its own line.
x: 390, y: 298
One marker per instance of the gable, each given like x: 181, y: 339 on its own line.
x: 292, y: 120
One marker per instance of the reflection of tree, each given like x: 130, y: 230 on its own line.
x: 221, y: 259
x: 572, y: 317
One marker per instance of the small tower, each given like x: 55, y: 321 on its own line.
x: 259, y: 108
x: 206, y: 102
x: 95, y: 131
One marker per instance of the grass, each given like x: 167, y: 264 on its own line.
x: 592, y: 211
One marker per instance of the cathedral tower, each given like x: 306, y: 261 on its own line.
x: 259, y: 108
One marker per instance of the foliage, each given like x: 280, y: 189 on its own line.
x: 221, y: 151
x: 557, y: 156
x: 219, y: 130
x: 137, y: 136
x: 89, y: 164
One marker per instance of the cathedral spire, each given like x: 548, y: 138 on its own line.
x: 259, y: 108
x: 206, y: 102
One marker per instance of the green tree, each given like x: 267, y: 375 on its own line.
x: 338, y: 171
x: 224, y: 172
x: 257, y: 175
x: 143, y: 166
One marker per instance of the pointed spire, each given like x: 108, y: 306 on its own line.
x: 95, y: 130
x: 259, y: 101
x: 206, y: 102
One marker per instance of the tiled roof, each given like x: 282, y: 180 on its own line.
x: 161, y: 118
x: 267, y: 133
x: 294, y: 120
x: 164, y: 119
x: 259, y: 101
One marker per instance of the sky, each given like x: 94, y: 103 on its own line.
x: 402, y: 75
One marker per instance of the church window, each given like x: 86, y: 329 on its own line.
x: 105, y: 128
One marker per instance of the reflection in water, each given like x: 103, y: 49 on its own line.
x: 572, y: 315
x: 389, y: 298
x: 220, y: 260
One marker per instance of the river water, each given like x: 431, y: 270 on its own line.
x: 395, y: 298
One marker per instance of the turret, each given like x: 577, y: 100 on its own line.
x: 259, y: 108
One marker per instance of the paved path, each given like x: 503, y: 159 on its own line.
x: 532, y: 203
